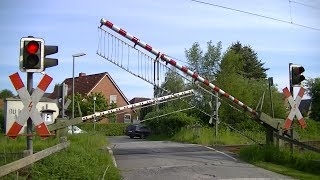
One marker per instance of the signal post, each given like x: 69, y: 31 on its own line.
x: 33, y: 52
x: 295, y: 79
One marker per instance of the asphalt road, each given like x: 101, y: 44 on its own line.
x: 141, y: 159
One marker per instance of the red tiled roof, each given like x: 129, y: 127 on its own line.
x: 138, y: 99
x: 82, y: 84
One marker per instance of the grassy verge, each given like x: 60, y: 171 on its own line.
x: 206, y: 136
x: 302, y: 165
x: 286, y: 171
x: 85, y: 158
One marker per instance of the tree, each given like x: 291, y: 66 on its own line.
x: 206, y: 65
x: 173, y: 84
x: 313, y: 86
x: 6, y: 93
x: 86, y: 104
x: 252, y: 66
x: 247, y: 90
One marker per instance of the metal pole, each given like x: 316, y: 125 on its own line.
x: 29, y: 122
x: 94, y: 111
x: 63, y: 99
x: 217, y: 113
x: 270, y: 80
x: 291, y: 91
x: 72, y: 91
x: 73, y: 88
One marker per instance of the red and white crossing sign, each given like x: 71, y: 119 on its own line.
x: 294, y: 108
x: 29, y: 103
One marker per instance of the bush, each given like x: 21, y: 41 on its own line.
x: 311, y: 132
x: 168, y: 125
x: 110, y: 129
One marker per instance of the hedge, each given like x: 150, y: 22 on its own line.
x: 109, y: 129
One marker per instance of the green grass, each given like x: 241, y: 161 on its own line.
x: 286, y: 170
x: 206, y: 136
x: 298, y: 164
x: 85, y: 158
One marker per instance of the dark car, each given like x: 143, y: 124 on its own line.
x: 137, y: 130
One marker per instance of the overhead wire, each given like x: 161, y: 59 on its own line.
x: 304, y: 4
x: 255, y: 14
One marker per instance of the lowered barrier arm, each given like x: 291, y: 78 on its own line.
x: 260, y: 117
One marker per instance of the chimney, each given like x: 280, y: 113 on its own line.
x: 82, y: 74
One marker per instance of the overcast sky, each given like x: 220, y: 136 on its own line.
x: 170, y: 26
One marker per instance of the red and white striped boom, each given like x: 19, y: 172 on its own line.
x: 166, y: 59
x: 135, y: 105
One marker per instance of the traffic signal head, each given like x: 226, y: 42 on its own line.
x: 296, y: 74
x: 50, y: 62
x: 31, y: 54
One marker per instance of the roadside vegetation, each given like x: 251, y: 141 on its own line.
x: 301, y: 164
x: 239, y: 72
x: 85, y: 158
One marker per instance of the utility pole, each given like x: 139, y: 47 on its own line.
x: 29, y: 122
x: 217, y: 112
x: 291, y: 91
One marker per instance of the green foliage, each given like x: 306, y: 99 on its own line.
x: 249, y: 91
x: 206, y: 64
x: 86, y: 104
x: 314, y: 91
x: 6, y: 93
x: 173, y: 83
x: 206, y: 136
x: 170, y: 124
x: 109, y: 129
x: 312, y: 132
x: 84, y: 159
x: 15, y: 147
x: 112, y: 116
x: 251, y: 66
x: 303, y: 161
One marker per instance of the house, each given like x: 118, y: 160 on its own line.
x: 100, y: 83
x: 142, y: 111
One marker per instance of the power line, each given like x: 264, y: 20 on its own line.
x: 303, y: 4
x: 255, y: 14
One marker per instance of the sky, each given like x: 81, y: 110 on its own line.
x: 169, y: 26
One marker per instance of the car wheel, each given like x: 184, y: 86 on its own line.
x: 131, y: 137
x: 142, y: 136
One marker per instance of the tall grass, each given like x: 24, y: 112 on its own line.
x: 302, y: 161
x: 85, y: 158
x: 12, y: 149
x: 206, y: 136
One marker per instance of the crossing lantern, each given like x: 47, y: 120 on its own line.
x: 31, y: 54
x: 50, y: 62
x: 296, y: 74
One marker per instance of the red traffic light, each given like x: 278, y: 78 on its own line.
x: 32, y: 47
x: 296, y: 74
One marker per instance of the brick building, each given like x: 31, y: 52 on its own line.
x: 102, y: 82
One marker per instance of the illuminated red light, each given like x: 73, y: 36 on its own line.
x: 32, y: 47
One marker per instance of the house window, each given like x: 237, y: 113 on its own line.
x: 113, y: 99
x: 127, y: 118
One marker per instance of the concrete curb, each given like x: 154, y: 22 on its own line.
x: 113, y: 159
